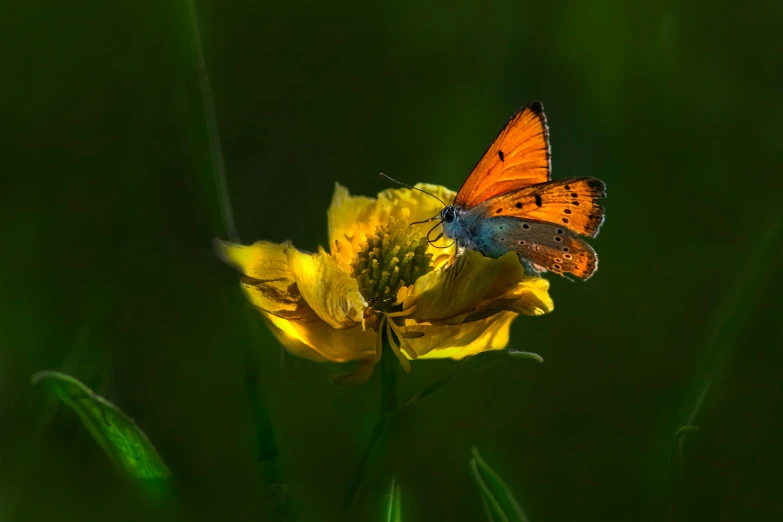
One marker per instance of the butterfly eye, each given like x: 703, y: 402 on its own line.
x: 448, y: 214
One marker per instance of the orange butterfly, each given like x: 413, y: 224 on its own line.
x: 509, y: 203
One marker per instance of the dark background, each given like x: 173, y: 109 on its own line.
x: 108, y: 208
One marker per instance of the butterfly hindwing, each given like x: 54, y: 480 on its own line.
x: 547, y: 245
x: 518, y: 157
x: 570, y: 203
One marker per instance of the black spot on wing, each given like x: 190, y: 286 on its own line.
x: 501, y: 155
x: 539, y: 201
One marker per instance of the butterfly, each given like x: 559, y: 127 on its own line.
x: 510, y: 203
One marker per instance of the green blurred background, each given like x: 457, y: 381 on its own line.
x: 109, y: 208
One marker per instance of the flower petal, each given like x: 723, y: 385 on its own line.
x: 460, y: 288
x: 267, y: 279
x: 318, y: 341
x: 458, y: 341
x: 532, y: 297
x: 350, y: 219
x: 327, y: 288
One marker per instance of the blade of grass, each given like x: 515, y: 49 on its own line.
x: 266, y: 444
x: 499, y: 499
x: 487, y: 510
x: 734, y: 312
x: 213, y: 131
x: 393, y: 511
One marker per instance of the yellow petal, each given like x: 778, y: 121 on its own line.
x: 463, y: 286
x: 350, y: 218
x: 532, y: 297
x: 529, y: 297
x: 353, y: 218
x: 458, y: 341
x: 327, y: 288
x: 267, y: 280
x: 320, y: 342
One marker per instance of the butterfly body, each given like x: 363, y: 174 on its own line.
x: 509, y: 203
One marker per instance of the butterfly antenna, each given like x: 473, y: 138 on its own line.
x: 433, y: 218
x: 387, y: 178
x: 432, y: 241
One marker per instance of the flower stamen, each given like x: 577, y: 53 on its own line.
x: 393, y: 257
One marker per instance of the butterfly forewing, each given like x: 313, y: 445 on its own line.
x: 571, y: 203
x: 518, y: 157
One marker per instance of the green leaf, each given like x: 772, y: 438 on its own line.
x: 124, y: 443
x: 499, y: 502
x: 393, y: 510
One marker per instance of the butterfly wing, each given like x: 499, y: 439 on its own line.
x: 542, y: 224
x: 545, y: 245
x: 569, y: 203
x: 518, y: 157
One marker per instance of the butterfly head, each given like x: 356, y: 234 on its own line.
x: 448, y: 214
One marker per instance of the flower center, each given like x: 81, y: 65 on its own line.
x: 393, y: 257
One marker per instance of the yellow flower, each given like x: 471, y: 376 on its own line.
x: 382, y: 276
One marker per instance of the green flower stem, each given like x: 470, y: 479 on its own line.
x: 390, y: 370
x: 389, y: 393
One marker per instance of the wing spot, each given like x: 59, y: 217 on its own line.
x: 567, y: 211
x: 501, y: 155
x: 565, y: 220
x: 521, y: 242
x: 556, y: 266
x: 525, y: 226
x: 560, y: 231
x: 567, y: 187
x: 567, y: 256
x: 574, y: 195
x: 565, y: 249
x: 539, y: 202
x: 558, y: 238
x: 519, y: 205
x: 575, y: 203
x: 498, y: 211
x: 558, y: 260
